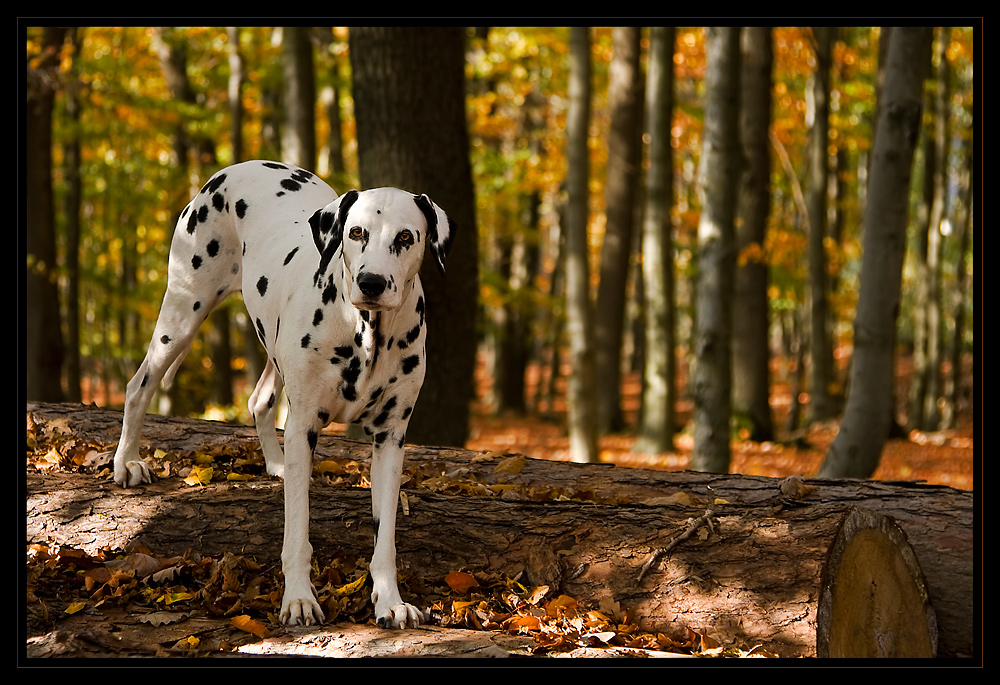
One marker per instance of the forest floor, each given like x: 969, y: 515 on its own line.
x: 940, y: 457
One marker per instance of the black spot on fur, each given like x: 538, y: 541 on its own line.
x: 212, y: 247
x: 262, y: 285
x: 324, y: 416
x: 214, y: 183
x: 195, y: 262
x: 219, y: 202
x: 241, y: 208
x: 274, y: 165
x: 305, y: 341
x: 343, y: 351
x: 289, y: 256
x: 384, y: 414
x: 145, y: 378
x: 203, y: 214
x: 260, y: 332
x: 312, y: 437
x: 197, y: 306
x: 317, y: 317
x: 410, y: 363
x: 350, y: 377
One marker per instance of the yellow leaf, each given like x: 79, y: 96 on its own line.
x: 75, y: 607
x: 351, y: 587
x: 238, y: 476
x: 200, y: 476
x: 328, y: 466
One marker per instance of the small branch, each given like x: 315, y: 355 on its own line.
x: 654, y: 558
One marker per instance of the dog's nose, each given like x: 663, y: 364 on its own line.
x: 372, y: 285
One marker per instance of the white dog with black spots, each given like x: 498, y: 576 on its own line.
x: 332, y: 286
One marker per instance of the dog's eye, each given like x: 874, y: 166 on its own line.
x: 355, y: 233
x: 405, y: 238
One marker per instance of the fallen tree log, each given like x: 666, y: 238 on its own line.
x: 744, y: 559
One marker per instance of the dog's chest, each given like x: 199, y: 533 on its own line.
x: 347, y: 363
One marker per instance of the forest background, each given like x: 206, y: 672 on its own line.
x: 124, y: 124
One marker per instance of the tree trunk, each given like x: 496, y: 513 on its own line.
x: 927, y: 354
x: 739, y: 558
x: 624, y: 158
x: 659, y: 390
x: 235, y: 92
x: 711, y: 378
x: 963, y: 219
x: 580, y: 390
x: 298, y: 135
x: 858, y: 446
x: 821, y: 402
x: 751, y: 375
x: 74, y: 197
x: 409, y: 104
x: 44, y: 351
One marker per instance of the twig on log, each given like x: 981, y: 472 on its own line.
x: 695, y: 525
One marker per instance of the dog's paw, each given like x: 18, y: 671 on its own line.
x: 396, y: 614
x: 132, y: 473
x: 400, y: 616
x: 300, y: 611
x: 275, y: 469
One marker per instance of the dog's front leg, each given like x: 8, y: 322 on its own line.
x: 298, y: 605
x: 387, y: 467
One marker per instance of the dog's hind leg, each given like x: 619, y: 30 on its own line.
x: 175, y: 329
x: 263, y: 406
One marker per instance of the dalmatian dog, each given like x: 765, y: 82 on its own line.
x: 331, y: 286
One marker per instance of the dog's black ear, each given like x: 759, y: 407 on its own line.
x: 327, y: 226
x: 439, y: 229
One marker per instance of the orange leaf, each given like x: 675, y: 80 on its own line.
x: 460, y: 581
x: 249, y: 625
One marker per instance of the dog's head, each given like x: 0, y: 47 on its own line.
x: 382, y: 236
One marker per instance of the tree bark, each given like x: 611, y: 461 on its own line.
x: 624, y: 157
x: 659, y: 389
x: 749, y: 572
x: 858, y: 446
x: 298, y: 135
x: 821, y: 402
x: 751, y: 374
x: 718, y: 177
x: 581, y: 391
x: 928, y: 349
x: 409, y: 104
x: 44, y: 351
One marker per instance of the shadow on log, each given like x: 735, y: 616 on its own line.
x: 740, y: 558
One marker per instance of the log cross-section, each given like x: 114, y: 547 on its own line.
x: 874, y: 601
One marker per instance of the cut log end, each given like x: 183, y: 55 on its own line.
x: 874, y: 601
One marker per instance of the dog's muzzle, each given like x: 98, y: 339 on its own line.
x: 371, y: 286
